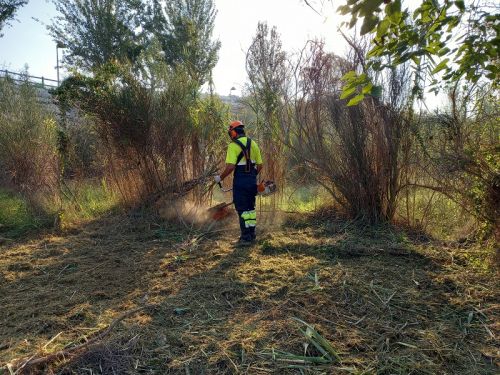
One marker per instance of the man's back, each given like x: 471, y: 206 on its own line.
x: 234, y: 150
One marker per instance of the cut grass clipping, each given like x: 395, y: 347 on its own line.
x: 328, y: 353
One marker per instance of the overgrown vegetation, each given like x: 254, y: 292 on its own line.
x: 444, y: 41
x: 28, y: 142
x: 375, y: 256
x: 143, y: 93
x: 16, y: 216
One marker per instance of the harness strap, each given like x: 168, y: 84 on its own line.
x: 245, y: 151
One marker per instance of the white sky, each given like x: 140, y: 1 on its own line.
x: 27, y: 42
x: 296, y: 23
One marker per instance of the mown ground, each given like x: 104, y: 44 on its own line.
x: 388, y: 303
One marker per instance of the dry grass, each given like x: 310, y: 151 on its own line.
x: 384, y: 303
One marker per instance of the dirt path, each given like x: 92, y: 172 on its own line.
x: 386, y: 304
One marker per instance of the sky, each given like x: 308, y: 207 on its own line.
x: 296, y: 23
x: 26, y: 41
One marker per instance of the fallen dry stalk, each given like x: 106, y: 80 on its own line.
x: 184, y: 188
x: 24, y: 364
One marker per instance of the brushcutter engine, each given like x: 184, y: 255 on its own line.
x: 266, y: 188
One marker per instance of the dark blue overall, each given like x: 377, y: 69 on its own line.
x: 244, y: 193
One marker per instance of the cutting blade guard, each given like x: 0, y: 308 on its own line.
x: 220, y: 212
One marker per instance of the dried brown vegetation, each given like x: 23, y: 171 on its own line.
x: 29, y: 161
x: 356, y: 153
x: 387, y: 304
x: 154, y: 140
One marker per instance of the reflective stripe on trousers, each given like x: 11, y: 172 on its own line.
x: 244, y: 192
x: 250, y: 218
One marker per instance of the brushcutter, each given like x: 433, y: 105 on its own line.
x: 221, y: 210
x: 264, y: 188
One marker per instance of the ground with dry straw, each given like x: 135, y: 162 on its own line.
x: 379, y: 301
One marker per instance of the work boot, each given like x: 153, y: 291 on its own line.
x: 252, y: 234
x: 244, y: 243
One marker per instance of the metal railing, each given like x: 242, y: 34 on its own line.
x: 41, y: 82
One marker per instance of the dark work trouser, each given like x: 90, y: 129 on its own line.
x: 244, y: 192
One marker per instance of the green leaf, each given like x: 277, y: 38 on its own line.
x: 460, y: 5
x: 375, y: 51
x: 443, y: 51
x: 367, y: 89
x: 362, y: 78
x: 382, y: 27
x: 357, y: 99
x: 344, y: 9
x: 393, y: 11
x: 442, y: 65
x: 376, y: 65
x: 349, y: 75
x: 370, y: 7
x: 492, y: 68
x: 369, y: 24
x: 347, y: 91
x: 453, y: 22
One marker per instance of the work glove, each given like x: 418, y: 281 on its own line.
x: 217, y: 179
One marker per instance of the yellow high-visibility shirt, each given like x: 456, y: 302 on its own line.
x: 233, y: 150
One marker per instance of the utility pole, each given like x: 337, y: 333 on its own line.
x: 231, y: 98
x: 58, y: 45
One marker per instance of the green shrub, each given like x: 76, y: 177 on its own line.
x: 16, y: 216
x: 91, y: 200
x: 29, y: 161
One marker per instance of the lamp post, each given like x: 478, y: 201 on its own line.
x: 231, y: 97
x: 58, y: 45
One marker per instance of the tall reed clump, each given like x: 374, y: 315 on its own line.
x: 355, y: 152
x: 268, y: 72
x: 29, y: 161
x: 157, y: 137
x: 459, y: 157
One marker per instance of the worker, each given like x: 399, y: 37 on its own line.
x: 244, y: 158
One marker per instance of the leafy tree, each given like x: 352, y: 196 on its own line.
x: 266, y: 66
x: 28, y: 155
x: 97, y: 31
x: 185, y: 29
x: 446, y: 40
x: 8, y: 10
x: 461, y: 154
x: 267, y: 69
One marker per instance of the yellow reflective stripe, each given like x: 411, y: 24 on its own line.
x: 250, y: 223
x: 250, y: 218
x: 249, y: 215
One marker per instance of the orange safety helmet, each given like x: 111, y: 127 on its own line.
x: 232, y: 128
